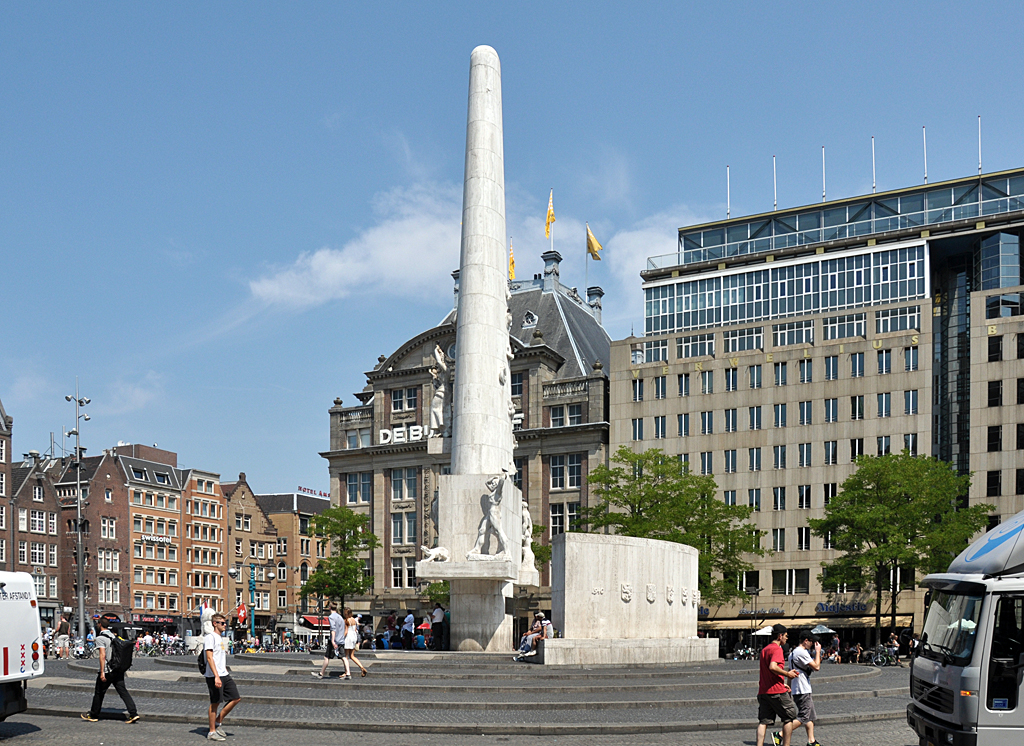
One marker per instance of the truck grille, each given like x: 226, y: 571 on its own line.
x: 930, y: 695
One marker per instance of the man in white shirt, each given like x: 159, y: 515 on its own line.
x: 408, y: 630
x: 221, y: 686
x: 805, y: 663
x: 436, y: 627
x: 336, y: 640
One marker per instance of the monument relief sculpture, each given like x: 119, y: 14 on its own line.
x: 626, y: 592
x: 440, y: 403
x: 490, y: 524
x: 437, y: 554
x: 652, y: 593
x: 529, y: 560
x: 670, y: 595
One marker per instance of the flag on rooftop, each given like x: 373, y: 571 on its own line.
x: 593, y: 246
x: 551, y: 215
x: 511, y: 261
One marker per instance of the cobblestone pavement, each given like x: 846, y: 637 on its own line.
x: 40, y: 730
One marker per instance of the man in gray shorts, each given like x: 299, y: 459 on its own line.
x: 804, y: 662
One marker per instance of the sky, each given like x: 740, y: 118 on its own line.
x: 217, y: 215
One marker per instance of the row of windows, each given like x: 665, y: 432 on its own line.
x: 199, y: 556
x: 829, y: 491
x: 995, y: 392
x: 147, y: 525
x: 33, y: 521
x: 46, y: 585
x: 558, y: 415
x: 566, y: 471
x: 995, y: 348
x: 995, y: 437
x: 158, y: 551
x: 805, y: 454
x: 154, y: 500
x: 155, y: 576
x: 32, y: 553
x: 994, y: 483
x: 161, y: 602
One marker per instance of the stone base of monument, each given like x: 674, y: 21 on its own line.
x: 617, y: 652
x: 623, y: 600
x: 481, y: 570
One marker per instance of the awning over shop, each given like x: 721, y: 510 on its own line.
x: 837, y: 622
x: 315, y: 622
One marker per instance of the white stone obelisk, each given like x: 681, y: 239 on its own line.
x: 480, y: 510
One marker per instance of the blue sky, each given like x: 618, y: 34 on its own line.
x: 218, y: 215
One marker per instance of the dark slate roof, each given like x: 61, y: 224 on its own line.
x: 151, y: 469
x: 290, y: 502
x: 567, y: 327
x: 18, y: 476
x: 90, y: 464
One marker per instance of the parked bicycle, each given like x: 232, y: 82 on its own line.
x: 882, y: 656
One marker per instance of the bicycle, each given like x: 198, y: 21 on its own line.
x: 882, y: 657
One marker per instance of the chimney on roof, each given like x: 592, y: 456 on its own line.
x: 34, y: 455
x: 241, y: 476
x: 455, y: 276
x: 551, y: 261
x: 594, y: 296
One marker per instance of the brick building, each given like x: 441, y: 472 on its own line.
x: 36, y: 534
x: 205, y: 541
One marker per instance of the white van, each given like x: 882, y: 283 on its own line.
x: 21, y: 641
x: 966, y: 675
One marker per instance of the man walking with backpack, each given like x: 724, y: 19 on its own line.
x: 221, y: 686
x: 112, y: 672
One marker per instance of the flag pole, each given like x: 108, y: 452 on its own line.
x: 586, y: 272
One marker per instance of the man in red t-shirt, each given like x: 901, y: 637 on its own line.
x: 773, y: 695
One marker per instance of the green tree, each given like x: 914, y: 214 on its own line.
x: 439, y: 592
x: 541, y: 552
x: 341, y: 573
x: 896, y: 513
x: 654, y: 496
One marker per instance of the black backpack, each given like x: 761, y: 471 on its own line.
x: 120, y: 653
x: 201, y: 659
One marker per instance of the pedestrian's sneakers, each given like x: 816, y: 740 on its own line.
x: 220, y: 731
x: 316, y: 674
x: 777, y: 738
x: 132, y: 719
x: 215, y: 736
x: 813, y: 743
x: 88, y: 717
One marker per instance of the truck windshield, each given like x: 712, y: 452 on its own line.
x: 950, y: 627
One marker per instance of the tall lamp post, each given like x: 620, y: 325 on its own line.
x: 80, y: 401
x: 755, y: 592
x: 234, y: 572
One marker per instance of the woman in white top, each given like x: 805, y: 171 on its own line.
x: 351, y: 643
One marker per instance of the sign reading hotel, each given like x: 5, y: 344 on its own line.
x: 315, y: 493
x: 402, y: 434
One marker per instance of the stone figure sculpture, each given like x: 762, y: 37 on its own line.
x: 491, y: 522
x: 440, y: 402
x: 434, y: 511
x: 437, y: 554
x: 529, y: 560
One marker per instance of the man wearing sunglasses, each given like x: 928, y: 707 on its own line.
x: 222, y: 687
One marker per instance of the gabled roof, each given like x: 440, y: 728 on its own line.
x: 142, y: 472
x: 90, y: 465
x: 19, y: 475
x: 5, y: 421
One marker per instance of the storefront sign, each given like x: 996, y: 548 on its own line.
x: 774, y: 611
x: 854, y: 607
x: 402, y: 434
x: 152, y: 619
x: 703, y: 611
x: 156, y: 539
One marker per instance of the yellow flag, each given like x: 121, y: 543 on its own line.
x: 551, y: 214
x: 511, y: 261
x: 592, y: 245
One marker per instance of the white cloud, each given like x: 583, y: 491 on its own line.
x: 126, y: 396
x: 412, y: 249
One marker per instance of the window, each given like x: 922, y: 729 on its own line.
x: 754, y: 499
x: 557, y: 464
x: 841, y: 327
x: 23, y: 519
x: 857, y: 365
x: 404, y: 399
x: 360, y: 487
x: 23, y: 552
x: 695, y: 346
x: 730, y: 420
x: 739, y: 340
x: 638, y: 429
x: 884, y: 362
x: 397, y: 575
x: 397, y: 528
x: 557, y: 519
x: 778, y: 498
x: 803, y: 538
x: 910, y: 402
x: 780, y: 457
x: 831, y: 367
x: 805, y: 454
x: 730, y: 461
x: 638, y: 389
x: 410, y: 527
x: 656, y: 351
x: 856, y: 407
x: 995, y: 393
x: 731, y: 378
x: 778, y: 542
x: 37, y: 494
x: 780, y: 374
x: 755, y: 418
x: 38, y: 522
x: 754, y: 459
x: 910, y: 443
x: 831, y: 410
x: 994, y: 484
x: 884, y: 445
x: 706, y: 463
x: 804, y: 496
x: 794, y: 333
x: 38, y: 553
x: 404, y: 484
x: 683, y: 421
x: 791, y: 582
x: 754, y: 374
x: 1020, y: 481
x: 856, y: 448
x: 909, y: 358
x: 1020, y: 390
x: 659, y: 387
x: 659, y: 426
x: 557, y: 416
x: 995, y: 438
x: 684, y: 384
x: 707, y: 423
x: 780, y: 415
x: 517, y: 478
x: 517, y: 384
x: 575, y: 470
x: 885, y: 405
x: 729, y: 496
x: 707, y: 382
x: 995, y: 349
x: 805, y: 413
x: 806, y: 371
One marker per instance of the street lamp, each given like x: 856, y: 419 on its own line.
x: 234, y: 573
x: 80, y: 401
x: 755, y: 592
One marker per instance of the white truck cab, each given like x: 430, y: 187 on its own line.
x: 965, y: 678
x: 21, y: 641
